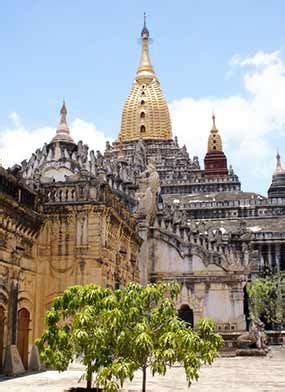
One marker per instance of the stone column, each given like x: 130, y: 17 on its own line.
x: 13, y: 363
x: 269, y: 255
x: 12, y: 312
x: 144, y: 258
x: 277, y: 256
x: 198, y: 297
x: 261, y: 255
x: 237, y: 298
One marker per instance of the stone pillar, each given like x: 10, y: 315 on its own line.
x: 199, y: 300
x: 12, y: 312
x: 261, y: 255
x: 13, y: 363
x: 273, y: 256
x: 144, y: 258
x: 277, y: 256
x: 237, y: 300
x: 269, y: 255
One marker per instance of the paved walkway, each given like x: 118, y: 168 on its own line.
x: 225, y: 375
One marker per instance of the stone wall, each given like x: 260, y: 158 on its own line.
x: 210, y: 288
x: 81, y: 233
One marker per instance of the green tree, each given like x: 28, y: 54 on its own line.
x: 265, y: 298
x: 155, y: 338
x: 78, y: 327
x: 118, y: 332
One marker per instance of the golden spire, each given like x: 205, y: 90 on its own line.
x: 62, y: 132
x: 145, y: 114
x: 214, y: 140
x: 145, y: 70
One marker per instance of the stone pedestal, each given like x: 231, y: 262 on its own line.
x: 34, y: 362
x: 13, y: 363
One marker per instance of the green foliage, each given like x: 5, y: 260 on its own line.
x: 118, y: 332
x: 265, y: 298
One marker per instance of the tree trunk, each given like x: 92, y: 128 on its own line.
x: 144, y: 379
x: 89, y: 380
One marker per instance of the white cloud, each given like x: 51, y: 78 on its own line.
x: 260, y: 58
x: 14, y: 117
x: 250, y: 123
x: 18, y: 142
x: 88, y: 133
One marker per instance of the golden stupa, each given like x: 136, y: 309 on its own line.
x: 145, y: 114
x: 214, y: 140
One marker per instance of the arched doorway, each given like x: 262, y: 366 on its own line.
x: 2, y: 318
x: 23, y: 335
x: 186, y: 313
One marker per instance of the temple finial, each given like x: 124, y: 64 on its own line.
x: 63, y: 113
x: 279, y: 169
x: 214, y: 140
x: 145, y: 32
x: 62, y: 132
x: 145, y: 70
x: 214, y: 128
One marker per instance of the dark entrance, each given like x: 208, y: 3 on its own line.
x: 23, y: 335
x: 186, y: 313
x: 246, y: 308
x: 2, y: 318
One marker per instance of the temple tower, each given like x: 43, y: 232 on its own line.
x: 277, y: 187
x: 146, y: 136
x: 215, y: 160
x: 145, y: 113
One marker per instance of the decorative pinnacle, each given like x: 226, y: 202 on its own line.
x: 145, y: 70
x: 279, y: 169
x: 63, y: 113
x: 62, y: 132
x: 214, y: 140
x: 145, y: 32
x: 214, y: 128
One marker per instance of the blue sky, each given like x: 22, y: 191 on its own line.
x: 87, y: 52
